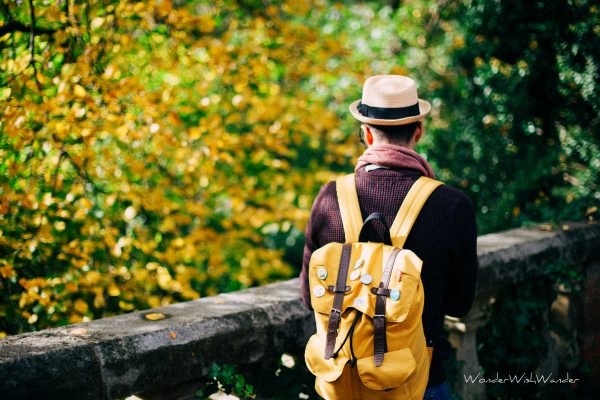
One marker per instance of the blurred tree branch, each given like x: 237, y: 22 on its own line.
x: 32, y: 43
x: 13, y: 25
x: 16, y: 26
x: 395, y: 4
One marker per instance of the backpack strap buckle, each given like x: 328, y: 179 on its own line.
x: 332, y: 289
x: 380, y: 291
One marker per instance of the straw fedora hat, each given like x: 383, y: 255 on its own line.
x: 389, y: 100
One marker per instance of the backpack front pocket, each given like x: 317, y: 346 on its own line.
x: 399, y: 365
x: 328, y: 370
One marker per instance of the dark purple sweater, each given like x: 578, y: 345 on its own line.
x: 444, y: 236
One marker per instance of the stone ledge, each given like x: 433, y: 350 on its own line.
x: 518, y: 254
x: 118, y: 356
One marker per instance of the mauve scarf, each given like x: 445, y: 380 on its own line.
x: 394, y: 156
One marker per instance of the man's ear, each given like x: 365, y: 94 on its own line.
x: 418, y: 132
x: 368, y: 135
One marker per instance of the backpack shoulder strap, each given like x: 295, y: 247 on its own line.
x: 349, y: 207
x: 410, y: 208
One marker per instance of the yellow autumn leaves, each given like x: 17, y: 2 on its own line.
x: 164, y: 153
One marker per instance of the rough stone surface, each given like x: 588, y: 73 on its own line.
x: 515, y: 255
x: 114, y: 357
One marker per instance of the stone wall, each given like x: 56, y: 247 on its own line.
x: 589, y: 322
x: 118, y: 356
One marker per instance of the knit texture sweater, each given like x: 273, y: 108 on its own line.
x: 444, y: 236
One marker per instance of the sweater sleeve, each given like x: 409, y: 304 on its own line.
x: 311, y: 243
x: 460, y: 289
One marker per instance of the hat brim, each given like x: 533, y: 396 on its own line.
x: 424, y: 109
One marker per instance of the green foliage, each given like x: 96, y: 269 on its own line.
x: 224, y: 378
x: 286, y: 378
x: 515, y: 339
x: 522, y: 110
x: 281, y: 379
x: 567, y: 276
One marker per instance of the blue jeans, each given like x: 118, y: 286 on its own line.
x: 440, y: 392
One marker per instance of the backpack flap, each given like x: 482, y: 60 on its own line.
x: 403, y: 285
x: 366, y: 268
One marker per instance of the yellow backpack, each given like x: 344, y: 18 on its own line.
x: 368, y: 301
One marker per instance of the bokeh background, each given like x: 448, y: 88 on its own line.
x: 155, y: 152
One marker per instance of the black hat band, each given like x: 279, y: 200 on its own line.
x: 388, y: 113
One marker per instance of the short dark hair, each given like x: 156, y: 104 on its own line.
x: 397, y: 133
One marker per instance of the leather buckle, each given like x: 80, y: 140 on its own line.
x: 331, y: 288
x: 379, y: 291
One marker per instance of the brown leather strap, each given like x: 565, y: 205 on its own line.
x: 379, y: 318
x: 338, y: 301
